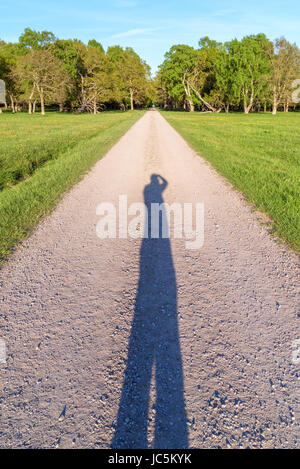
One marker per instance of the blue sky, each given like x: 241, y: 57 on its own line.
x: 151, y: 27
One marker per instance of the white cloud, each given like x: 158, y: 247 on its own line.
x: 134, y: 32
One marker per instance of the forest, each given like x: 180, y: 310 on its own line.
x: 252, y: 74
x: 42, y: 70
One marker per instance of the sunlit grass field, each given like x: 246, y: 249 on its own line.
x: 28, y: 142
x: 42, y: 157
x: 258, y: 153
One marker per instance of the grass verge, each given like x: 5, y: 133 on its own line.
x: 28, y: 142
x: 258, y: 153
x: 23, y: 205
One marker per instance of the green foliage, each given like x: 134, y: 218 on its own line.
x: 131, y: 76
x: 36, y: 39
x: 174, y: 73
x: 243, y: 74
x: 88, y: 78
x: 96, y: 44
x: 285, y: 60
x: 67, y: 52
x: 250, y: 65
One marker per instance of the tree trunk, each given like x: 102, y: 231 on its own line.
x: 275, y: 101
x: 94, y: 106
x: 131, y: 100
x: 209, y: 106
x: 275, y: 106
x: 42, y: 103
x: 191, y: 105
x: 188, y: 100
x: 83, y: 94
x: 61, y: 107
x: 30, y: 101
x: 12, y: 103
x: 34, y: 106
x: 165, y: 102
x: 248, y: 107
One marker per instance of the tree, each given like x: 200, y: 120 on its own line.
x: 250, y: 67
x: 96, y: 82
x: 176, y: 72
x: 10, y: 53
x: 3, y: 73
x: 31, y: 39
x: 203, y: 79
x: 131, y: 74
x: 284, y: 58
x: 41, y: 70
x: 4, y: 68
x: 225, y: 75
x: 96, y: 44
x: 71, y: 53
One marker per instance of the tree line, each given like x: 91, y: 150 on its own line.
x: 251, y: 74
x: 42, y: 70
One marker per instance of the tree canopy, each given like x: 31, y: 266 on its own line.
x: 43, y: 70
x: 247, y: 74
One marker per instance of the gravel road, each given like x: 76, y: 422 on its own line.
x: 141, y: 342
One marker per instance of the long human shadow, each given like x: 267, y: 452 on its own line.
x: 153, y: 348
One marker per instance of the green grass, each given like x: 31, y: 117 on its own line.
x: 258, y: 153
x: 63, y: 148
x: 28, y: 142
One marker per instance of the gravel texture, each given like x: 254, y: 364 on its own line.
x: 144, y: 343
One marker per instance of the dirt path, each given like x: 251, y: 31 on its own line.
x: 208, y: 333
